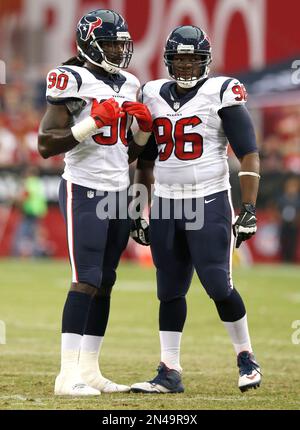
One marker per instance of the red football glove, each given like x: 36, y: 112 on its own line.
x: 141, y: 113
x: 106, y: 112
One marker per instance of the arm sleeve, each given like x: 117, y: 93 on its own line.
x: 239, y: 130
x: 150, y: 152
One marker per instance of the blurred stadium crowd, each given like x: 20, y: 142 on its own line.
x: 22, y: 103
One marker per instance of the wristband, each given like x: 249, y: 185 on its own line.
x: 249, y: 174
x: 84, y: 129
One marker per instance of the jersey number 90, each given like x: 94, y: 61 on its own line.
x: 115, y: 131
x: 177, y: 138
x: 59, y: 81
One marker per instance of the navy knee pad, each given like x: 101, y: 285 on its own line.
x: 91, y: 275
x: 108, y: 280
x: 232, y: 308
x: 173, y: 284
x: 216, y: 283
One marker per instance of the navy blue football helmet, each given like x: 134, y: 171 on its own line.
x: 100, y: 29
x: 188, y: 40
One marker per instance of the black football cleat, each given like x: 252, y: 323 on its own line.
x: 166, y: 381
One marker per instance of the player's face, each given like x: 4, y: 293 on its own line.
x: 187, y: 66
x: 114, y: 51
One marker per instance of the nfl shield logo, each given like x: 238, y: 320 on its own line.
x: 176, y: 105
x: 90, y: 194
x: 116, y: 88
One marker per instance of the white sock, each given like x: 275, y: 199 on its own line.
x: 91, y: 343
x: 70, y: 347
x: 239, y: 334
x: 89, y: 365
x: 89, y: 354
x: 170, y: 349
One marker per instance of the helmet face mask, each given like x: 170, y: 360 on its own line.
x: 103, y: 39
x: 115, y: 53
x: 187, y: 55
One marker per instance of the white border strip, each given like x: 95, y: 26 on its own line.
x: 70, y: 230
x: 232, y: 242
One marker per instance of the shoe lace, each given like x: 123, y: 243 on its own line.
x: 247, y: 365
x: 162, y: 371
x: 166, y: 377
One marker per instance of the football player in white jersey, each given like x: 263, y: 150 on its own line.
x: 194, y: 117
x: 85, y: 120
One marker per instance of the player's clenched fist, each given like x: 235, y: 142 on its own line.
x: 106, y: 112
x: 141, y: 113
x: 139, y: 231
x: 245, y: 225
x: 102, y: 114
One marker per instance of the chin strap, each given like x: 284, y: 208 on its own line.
x: 109, y: 68
x: 104, y: 64
x: 187, y: 84
x: 192, y: 83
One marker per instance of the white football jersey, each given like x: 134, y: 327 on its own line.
x: 192, y: 146
x: 101, y: 161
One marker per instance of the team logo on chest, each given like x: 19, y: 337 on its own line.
x: 116, y: 88
x: 90, y: 194
x: 176, y: 105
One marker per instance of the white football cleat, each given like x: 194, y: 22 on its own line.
x: 92, y: 376
x: 102, y: 384
x: 107, y: 386
x: 250, y: 374
x: 70, y: 386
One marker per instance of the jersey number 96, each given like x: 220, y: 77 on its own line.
x: 164, y: 135
x: 240, y: 91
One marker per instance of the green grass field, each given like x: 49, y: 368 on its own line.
x: 32, y: 295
